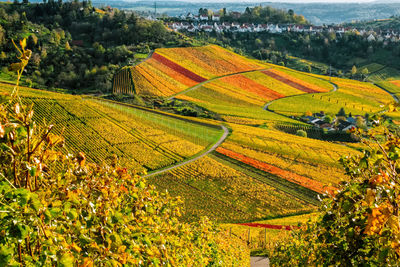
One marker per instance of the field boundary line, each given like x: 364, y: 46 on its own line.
x: 394, y: 96
x: 266, y: 106
x: 185, y: 162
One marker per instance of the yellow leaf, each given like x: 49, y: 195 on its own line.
x: 75, y: 247
x: 87, y: 262
x: 22, y: 43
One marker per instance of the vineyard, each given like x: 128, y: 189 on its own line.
x: 172, y: 70
x: 259, y: 173
x: 231, y: 194
x: 354, y: 96
x: 142, y: 140
x: 250, y: 91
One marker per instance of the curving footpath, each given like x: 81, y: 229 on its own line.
x: 182, y: 163
x: 266, y: 106
x: 226, y: 131
x: 259, y: 262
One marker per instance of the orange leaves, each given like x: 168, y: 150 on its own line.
x: 81, y: 158
x: 75, y: 247
x: 379, y: 179
x: 87, y: 262
x: 378, y: 218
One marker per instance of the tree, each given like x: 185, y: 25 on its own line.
x: 2, y: 36
x: 364, y: 72
x: 224, y: 12
x: 301, y: 133
x: 341, y: 113
x: 291, y: 12
x: 328, y: 119
x: 360, y: 123
x: 358, y: 225
x: 67, y: 46
x: 353, y: 70
x: 258, y: 43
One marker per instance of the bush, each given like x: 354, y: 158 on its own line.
x: 301, y: 133
x: 359, y: 225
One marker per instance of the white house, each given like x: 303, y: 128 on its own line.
x: 203, y: 17
x: 216, y: 17
x: 371, y: 38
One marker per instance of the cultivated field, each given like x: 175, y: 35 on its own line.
x: 259, y: 172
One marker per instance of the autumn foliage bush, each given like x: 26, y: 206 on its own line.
x: 60, y: 210
x: 359, y: 225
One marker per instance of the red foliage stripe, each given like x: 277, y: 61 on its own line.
x: 289, y: 82
x: 271, y: 226
x: 287, y: 175
x: 252, y: 86
x: 178, y: 68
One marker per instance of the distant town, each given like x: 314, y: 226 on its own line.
x: 212, y: 23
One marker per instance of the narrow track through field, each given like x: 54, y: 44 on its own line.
x: 182, y: 163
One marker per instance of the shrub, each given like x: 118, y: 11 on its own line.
x: 301, y: 133
x: 359, y: 226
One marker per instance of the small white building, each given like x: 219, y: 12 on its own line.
x: 203, y: 18
x: 216, y: 17
x: 371, y: 38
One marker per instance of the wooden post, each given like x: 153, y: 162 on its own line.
x: 248, y: 237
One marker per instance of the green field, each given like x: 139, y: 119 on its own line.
x: 355, y: 97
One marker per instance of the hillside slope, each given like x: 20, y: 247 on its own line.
x: 172, y: 70
x: 143, y: 140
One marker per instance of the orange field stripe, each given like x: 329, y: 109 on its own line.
x: 289, y: 82
x: 289, y: 176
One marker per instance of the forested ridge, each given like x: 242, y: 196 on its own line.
x: 76, y: 46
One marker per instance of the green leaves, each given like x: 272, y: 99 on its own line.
x: 362, y: 220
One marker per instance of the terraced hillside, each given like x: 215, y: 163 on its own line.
x: 172, y: 70
x: 242, y: 96
x: 142, y: 139
x: 258, y: 172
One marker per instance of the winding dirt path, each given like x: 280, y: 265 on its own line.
x: 259, y: 262
x: 226, y: 131
x: 182, y: 163
x: 266, y: 106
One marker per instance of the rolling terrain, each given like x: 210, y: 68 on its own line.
x: 289, y: 170
x: 254, y: 172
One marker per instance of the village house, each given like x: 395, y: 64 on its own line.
x: 203, y: 18
x: 216, y: 17
x: 371, y: 36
